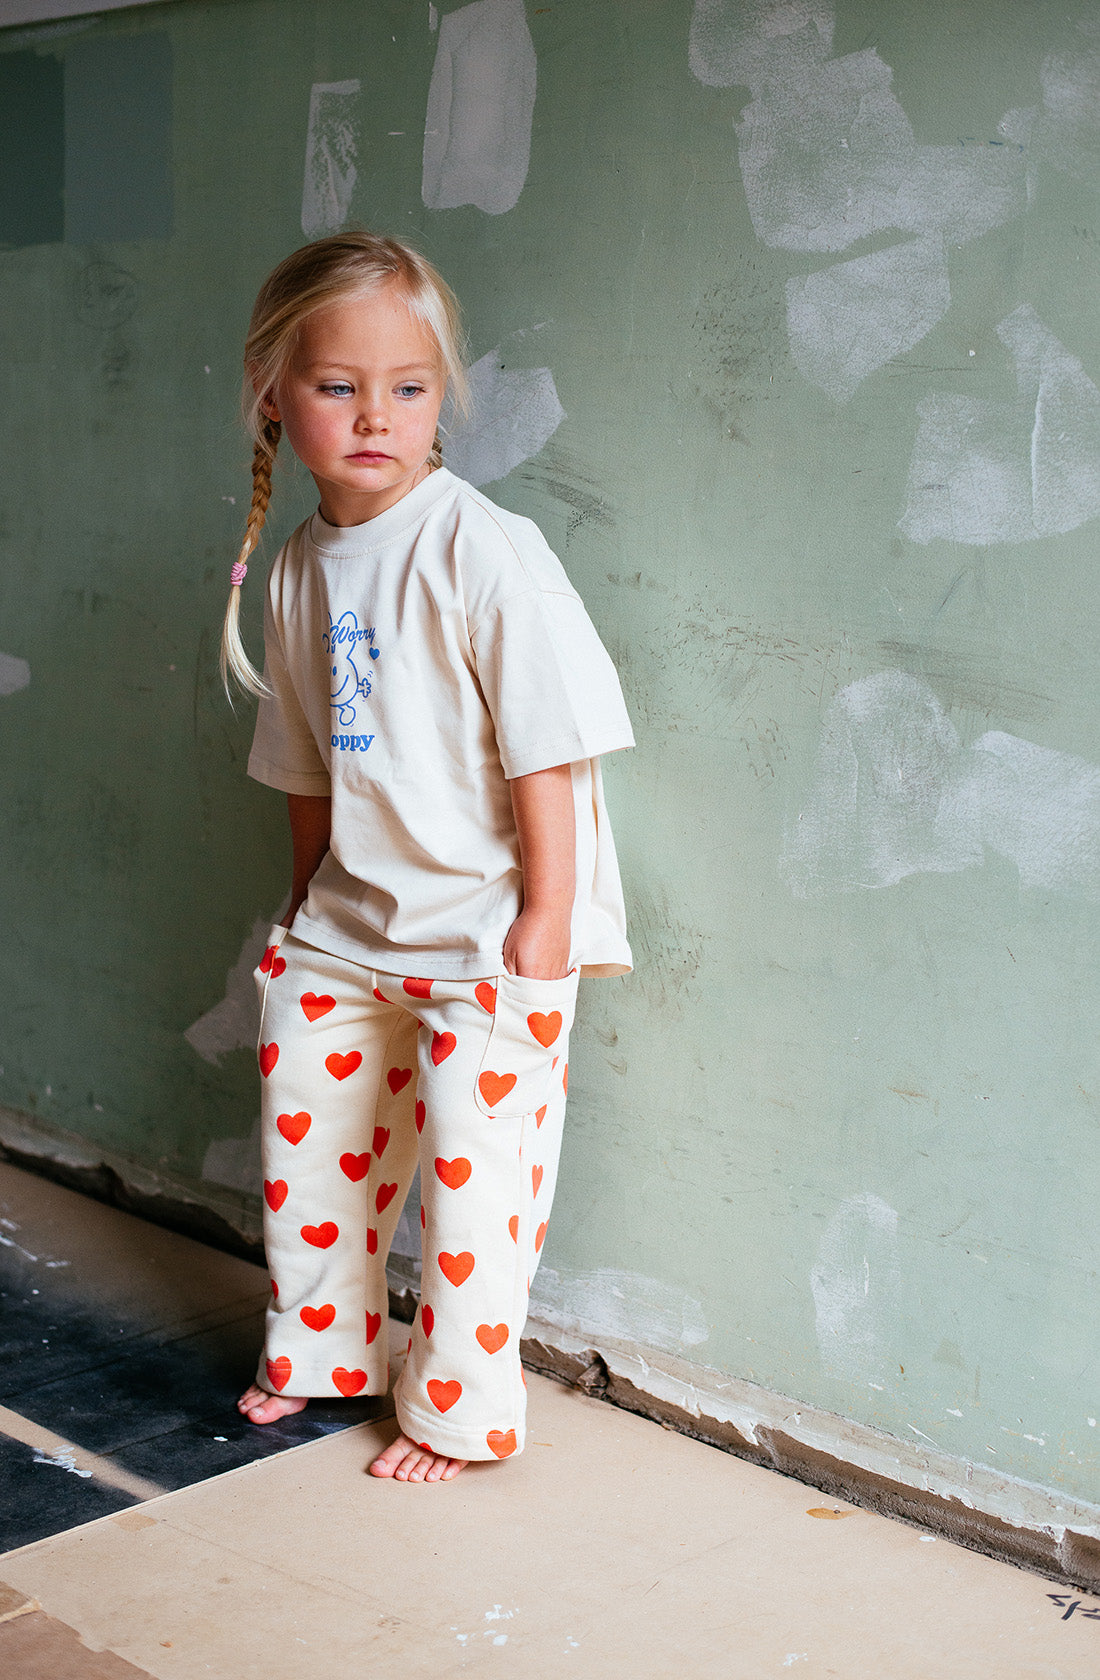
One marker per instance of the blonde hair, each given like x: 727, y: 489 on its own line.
x: 333, y: 270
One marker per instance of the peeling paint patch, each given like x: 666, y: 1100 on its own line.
x: 477, y: 129
x: 330, y: 173
x: 854, y: 1284
x: 61, y: 1461
x: 235, y: 1162
x: 609, y: 1302
x: 15, y: 673
x: 233, y: 1023
x: 514, y: 413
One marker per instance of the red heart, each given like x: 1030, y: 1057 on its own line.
x: 278, y: 1372
x: 277, y: 966
x: 427, y: 1319
x: 374, y: 1324
x: 565, y: 1078
x: 453, y: 1173
x: 513, y: 1226
x: 318, y: 1318
x: 265, y: 960
x: 269, y: 1055
x: 349, y: 1382
x: 321, y: 1236
x: 386, y: 1193
x: 545, y: 1027
x: 418, y: 988
x: 313, y: 1007
x: 398, y: 1078
x: 486, y: 995
x: 502, y: 1443
x: 275, y: 1193
x: 494, y: 1087
x: 355, y: 1167
x: 372, y: 1241
x: 456, y: 1268
x: 536, y: 1180
x: 421, y: 1116
x: 442, y: 1045
x: 424, y: 1447
x: 492, y: 1336
x: 443, y: 1395
x: 341, y: 1066
x: 380, y: 996
x: 540, y: 1236
x: 540, y: 1114
x: 423, y: 1218
x: 275, y: 1289
x: 380, y: 1140
x: 294, y: 1126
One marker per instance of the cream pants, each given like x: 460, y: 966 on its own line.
x: 364, y: 1074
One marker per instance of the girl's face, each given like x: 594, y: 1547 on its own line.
x: 360, y: 402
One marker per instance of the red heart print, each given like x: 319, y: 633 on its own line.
x: 494, y: 1087
x: 456, y: 1268
x: 540, y: 1114
x: 321, y: 1236
x: 318, y: 1318
x: 398, y: 1078
x: 313, y: 1007
x: 278, y: 1372
x: 442, y: 1045
x: 275, y: 1192
x: 374, y: 1324
x: 275, y: 1289
x: 265, y: 960
x: 277, y: 966
x: 418, y: 988
x: 349, y: 1382
x: 421, y: 1116
x: 453, y: 1173
x: 540, y: 1236
x: 380, y: 1139
x: 355, y: 1167
x: 427, y: 1319
x: 372, y: 1241
x: 536, y: 1180
x: 486, y: 995
x: 492, y: 1336
x: 341, y: 1067
x: 565, y: 1078
x: 545, y: 1027
x: 424, y: 1447
x: 423, y: 1218
x: 381, y: 996
x: 269, y: 1055
x: 386, y: 1193
x: 513, y: 1226
x: 503, y: 1443
x: 294, y: 1126
x: 443, y: 1395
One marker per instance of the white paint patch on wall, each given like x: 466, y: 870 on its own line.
x: 514, y: 413
x: 15, y: 673
x: 986, y: 472
x: 235, y: 1162
x: 1064, y: 132
x: 895, y: 792
x: 477, y: 130
x: 737, y: 43
x: 847, y: 321
x: 621, y: 1304
x: 233, y: 1024
x: 330, y: 174
x: 855, y: 1287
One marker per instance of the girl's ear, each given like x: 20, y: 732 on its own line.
x: 270, y: 408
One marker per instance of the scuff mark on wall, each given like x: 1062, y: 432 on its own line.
x: 896, y: 793
x: 330, y: 172
x: 987, y: 472
x: 514, y: 412
x: 233, y: 1023
x: 855, y: 1285
x: 477, y: 129
x: 609, y: 1302
x: 15, y: 673
x: 235, y: 1162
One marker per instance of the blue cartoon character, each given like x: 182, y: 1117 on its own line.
x: 342, y: 642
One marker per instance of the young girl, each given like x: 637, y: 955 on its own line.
x: 434, y: 704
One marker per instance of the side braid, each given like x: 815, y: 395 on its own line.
x: 234, y: 660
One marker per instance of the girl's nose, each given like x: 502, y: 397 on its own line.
x: 373, y: 417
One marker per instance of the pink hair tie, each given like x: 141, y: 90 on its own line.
x: 238, y: 574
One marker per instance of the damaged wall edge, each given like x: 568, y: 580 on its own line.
x: 971, y: 1504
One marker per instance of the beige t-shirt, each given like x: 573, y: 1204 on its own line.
x: 417, y: 663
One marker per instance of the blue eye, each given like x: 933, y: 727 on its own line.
x: 338, y: 388
x: 409, y: 390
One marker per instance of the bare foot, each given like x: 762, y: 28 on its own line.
x: 260, y: 1407
x: 406, y: 1462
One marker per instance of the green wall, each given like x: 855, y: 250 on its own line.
x: 828, y: 478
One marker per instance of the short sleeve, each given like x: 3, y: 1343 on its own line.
x: 284, y: 752
x: 549, y: 683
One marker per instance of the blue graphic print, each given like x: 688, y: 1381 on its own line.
x: 345, y: 641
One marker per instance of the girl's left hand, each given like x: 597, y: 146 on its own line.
x: 537, y: 945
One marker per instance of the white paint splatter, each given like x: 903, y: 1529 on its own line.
x: 235, y: 1162
x: 61, y: 1461
x: 330, y: 172
x: 514, y: 413
x: 896, y: 793
x: 987, y: 472
x: 854, y: 1284
x: 622, y: 1304
x: 233, y: 1023
x: 477, y: 129
x: 15, y: 673
x: 849, y: 320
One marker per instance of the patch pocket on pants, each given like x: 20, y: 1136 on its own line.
x: 530, y: 1030
x: 270, y: 965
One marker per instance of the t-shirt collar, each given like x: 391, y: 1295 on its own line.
x: 360, y: 539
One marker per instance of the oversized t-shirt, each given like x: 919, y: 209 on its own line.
x: 417, y: 663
